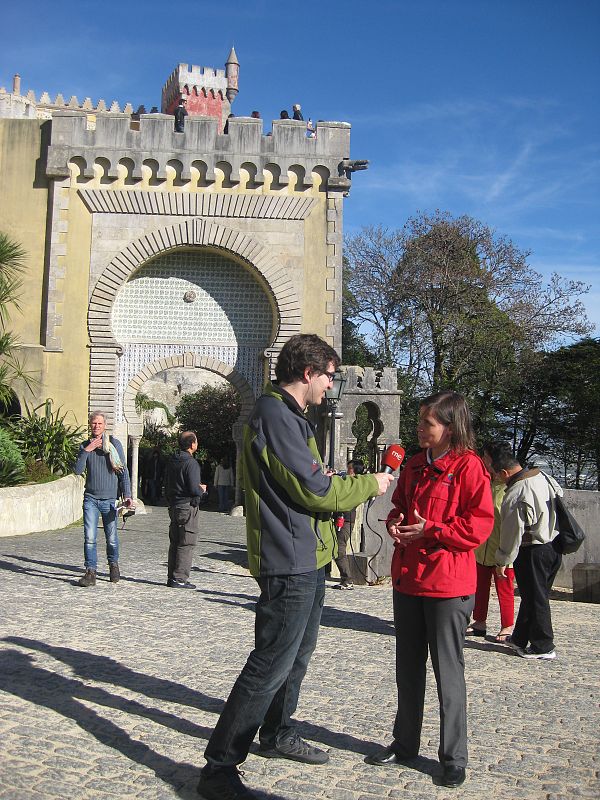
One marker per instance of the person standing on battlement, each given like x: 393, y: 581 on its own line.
x: 180, y: 114
x: 291, y: 539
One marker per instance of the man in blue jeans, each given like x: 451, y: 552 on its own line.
x: 106, y: 478
x: 289, y: 527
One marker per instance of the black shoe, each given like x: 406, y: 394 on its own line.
x: 223, y: 785
x: 453, y: 777
x: 181, y: 584
x: 296, y: 749
x: 89, y: 579
x: 387, y: 755
x: 113, y: 571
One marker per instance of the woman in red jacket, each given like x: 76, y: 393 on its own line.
x: 443, y: 510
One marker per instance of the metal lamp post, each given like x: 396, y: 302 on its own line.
x: 334, y: 395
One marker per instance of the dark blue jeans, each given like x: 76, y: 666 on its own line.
x: 265, y: 695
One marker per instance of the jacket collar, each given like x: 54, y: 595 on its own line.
x: 274, y: 390
x: 522, y: 475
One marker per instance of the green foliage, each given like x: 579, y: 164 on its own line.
x: 211, y: 413
x: 12, y: 465
x: 12, y: 259
x: 145, y: 403
x: 47, y: 438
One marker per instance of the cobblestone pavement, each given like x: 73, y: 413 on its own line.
x: 112, y: 691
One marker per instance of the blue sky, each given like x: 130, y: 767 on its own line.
x: 484, y: 107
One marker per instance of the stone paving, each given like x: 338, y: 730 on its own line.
x: 112, y: 691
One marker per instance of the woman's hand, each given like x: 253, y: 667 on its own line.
x: 403, y: 534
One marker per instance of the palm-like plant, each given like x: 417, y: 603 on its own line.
x: 12, y: 265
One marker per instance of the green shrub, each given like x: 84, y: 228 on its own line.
x: 12, y: 465
x: 47, y: 438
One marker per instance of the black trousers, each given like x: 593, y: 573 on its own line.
x: 535, y: 569
x: 436, y: 625
x: 183, y: 535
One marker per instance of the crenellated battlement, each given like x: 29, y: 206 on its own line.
x: 46, y: 106
x: 369, y: 380
x: 155, y: 144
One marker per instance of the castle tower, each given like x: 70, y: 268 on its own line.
x: 209, y: 92
x: 232, y: 73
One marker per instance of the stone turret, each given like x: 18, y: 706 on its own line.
x: 232, y: 73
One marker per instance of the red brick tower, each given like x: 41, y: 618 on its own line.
x: 209, y: 92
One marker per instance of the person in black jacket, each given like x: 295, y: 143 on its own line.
x: 183, y: 490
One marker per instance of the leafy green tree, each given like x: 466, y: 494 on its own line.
x: 452, y: 304
x: 211, y: 413
x: 12, y: 265
x: 558, y: 413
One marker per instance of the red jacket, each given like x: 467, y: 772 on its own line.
x: 453, y: 494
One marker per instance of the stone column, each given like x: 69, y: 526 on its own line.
x: 135, y: 450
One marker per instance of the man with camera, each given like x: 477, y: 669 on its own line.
x: 183, y: 490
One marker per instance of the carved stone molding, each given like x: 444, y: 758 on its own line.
x: 208, y: 204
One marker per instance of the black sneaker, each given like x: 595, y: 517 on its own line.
x: 223, y: 785
x: 113, y: 571
x: 89, y: 579
x: 173, y: 584
x: 296, y: 749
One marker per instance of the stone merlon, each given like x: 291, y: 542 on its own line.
x: 114, y: 139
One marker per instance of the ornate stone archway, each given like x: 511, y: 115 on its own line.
x: 135, y: 422
x: 105, y: 349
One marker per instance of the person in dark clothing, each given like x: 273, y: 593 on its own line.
x: 183, y: 490
x: 297, y: 112
x: 344, y: 533
x: 180, y: 114
x: 226, y: 126
x: 153, y: 477
x: 284, y: 115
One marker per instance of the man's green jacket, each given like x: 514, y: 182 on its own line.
x: 289, y: 501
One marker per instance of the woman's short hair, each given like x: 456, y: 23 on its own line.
x: 450, y: 408
x: 302, y: 351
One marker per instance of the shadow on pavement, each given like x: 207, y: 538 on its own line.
x: 39, y: 572
x: 21, y: 678
x: 91, y: 666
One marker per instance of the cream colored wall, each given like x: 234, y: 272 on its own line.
x: 63, y: 375
x: 23, y: 204
x: 67, y: 372
x: 315, y: 296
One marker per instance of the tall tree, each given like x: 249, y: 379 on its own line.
x: 455, y: 305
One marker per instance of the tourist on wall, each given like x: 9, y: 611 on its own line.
x: 106, y: 478
x: 180, y: 114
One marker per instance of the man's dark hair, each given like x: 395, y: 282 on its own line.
x: 302, y: 351
x: 357, y: 466
x: 186, y: 439
x: 501, y: 455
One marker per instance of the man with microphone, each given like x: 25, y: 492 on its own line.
x: 291, y: 539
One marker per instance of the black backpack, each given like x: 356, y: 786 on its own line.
x: 570, y: 533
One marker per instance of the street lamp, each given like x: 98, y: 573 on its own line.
x: 334, y: 395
